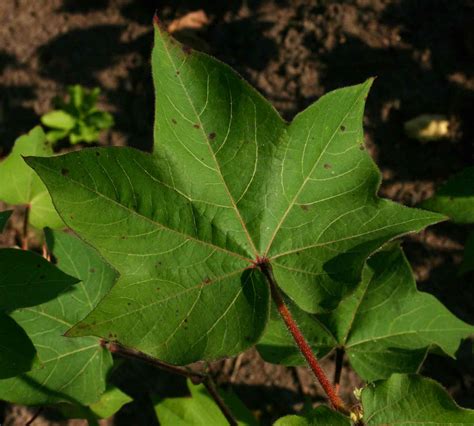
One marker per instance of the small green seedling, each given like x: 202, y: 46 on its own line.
x: 78, y: 119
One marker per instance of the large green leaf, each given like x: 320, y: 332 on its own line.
x: 200, y: 409
x: 4, y: 216
x: 20, y: 185
x: 455, y: 198
x: 17, y: 353
x: 320, y: 416
x: 71, y: 370
x: 411, y: 400
x: 230, y: 183
x: 386, y: 326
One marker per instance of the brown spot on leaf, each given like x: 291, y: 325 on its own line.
x: 187, y: 50
x: 206, y: 280
x: 177, y: 72
x: 361, y: 147
x: 343, y: 128
x: 92, y: 270
x: 212, y: 135
x: 173, y: 121
x: 305, y: 207
x: 64, y: 172
x: 196, y: 126
x: 327, y: 166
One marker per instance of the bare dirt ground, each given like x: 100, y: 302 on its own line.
x: 293, y: 51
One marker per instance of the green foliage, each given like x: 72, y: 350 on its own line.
x: 20, y: 185
x: 79, y: 119
x: 200, y: 409
x: 320, y: 416
x: 26, y: 280
x: 111, y: 401
x: 69, y: 370
x: 411, y: 400
x: 4, y: 216
x: 229, y: 183
x: 455, y: 198
x: 385, y: 327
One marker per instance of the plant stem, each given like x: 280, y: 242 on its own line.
x: 300, y: 340
x: 35, y: 416
x: 194, y: 376
x: 24, y: 235
x: 338, y: 370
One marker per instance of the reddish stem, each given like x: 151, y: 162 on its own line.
x: 300, y: 340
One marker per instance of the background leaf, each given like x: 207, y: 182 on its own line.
x: 320, y: 416
x: 411, y: 400
x: 200, y: 409
x: 17, y: 353
x: 58, y: 119
x: 20, y: 185
x: 228, y: 184
x: 71, y: 370
x: 386, y: 326
x: 27, y: 279
x: 455, y: 198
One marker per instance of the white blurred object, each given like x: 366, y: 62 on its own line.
x: 427, y: 127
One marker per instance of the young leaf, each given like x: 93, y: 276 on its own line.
x: 320, y: 416
x: 455, y: 198
x: 71, y: 370
x: 58, y: 119
x: 411, y: 400
x: 230, y: 185
x: 26, y: 279
x: 386, y: 326
x: 200, y: 409
x: 4, y: 216
x: 17, y: 353
x: 20, y: 185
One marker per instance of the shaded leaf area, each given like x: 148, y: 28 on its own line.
x: 455, y: 198
x: 385, y: 327
x: 111, y: 401
x: 4, y: 216
x: 20, y: 185
x: 17, y: 353
x: 467, y: 264
x: 200, y: 409
x: 320, y: 416
x: 411, y: 400
x: 27, y: 279
x: 229, y: 183
x: 71, y: 370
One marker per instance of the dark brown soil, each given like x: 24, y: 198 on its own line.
x: 293, y: 51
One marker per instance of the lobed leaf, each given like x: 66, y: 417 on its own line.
x: 229, y: 184
x: 410, y: 400
x: 20, y: 185
x: 70, y: 370
x: 386, y: 326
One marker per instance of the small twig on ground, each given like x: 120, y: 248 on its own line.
x: 236, y: 367
x: 35, y: 416
x: 24, y: 234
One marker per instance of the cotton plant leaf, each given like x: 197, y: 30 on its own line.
x: 20, y: 185
x: 17, y: 353
x: 320, y: 416
x: 455, y: 198
x: 229, y: 185
x: 70, y: 370
x: 4, y: 216
x: 27, y: 279
x: 110, y: 402
x: 200, y: 409
x: 410, y: 400
x: 385, y: 327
